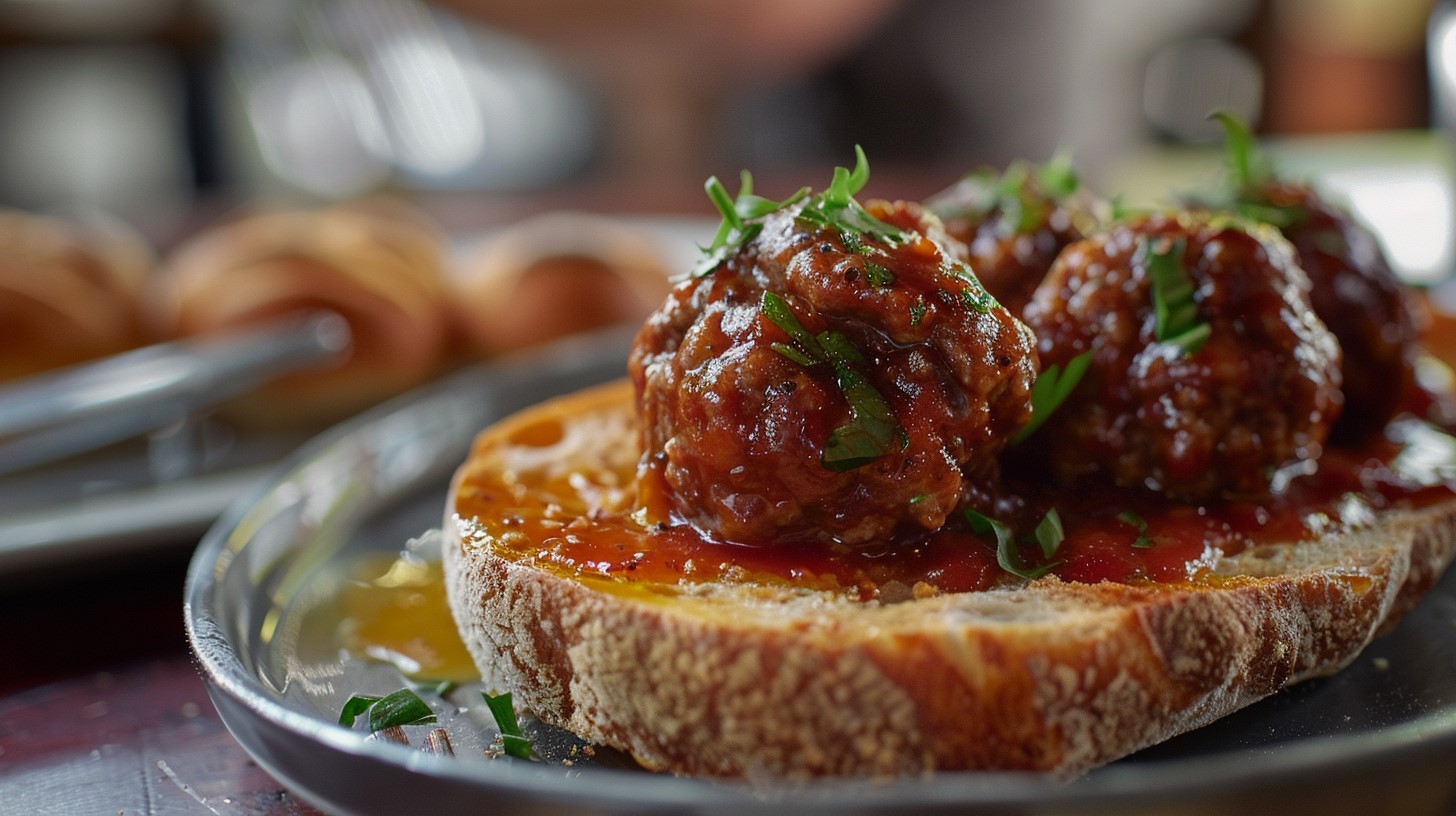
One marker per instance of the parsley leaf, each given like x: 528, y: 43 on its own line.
x: 1250, y: 174
x: 872, y: 430
x: 736, y: 228
x: 1129, y: 517
x: 1057, y: 177
x: 836, y: 207
x: 1051, y: 389
x: 1049, y: 533
x: 1175, y: 312
x: 402, y: 707
x: 1007, y: 555
x: 504, y: 713
x: 1247, y: 167
x: 1024, y: 194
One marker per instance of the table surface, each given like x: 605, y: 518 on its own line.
x: 102, y: 710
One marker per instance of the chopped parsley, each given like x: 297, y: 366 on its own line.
x: 1051, y: 389
x: 1249, y: 172
x: 1142, y: 541
x: 1175, y: 312
x: 1049, y: 533
x: 834, y: 208
x: 1008, y: 556
x: 917, y: 311
x: 878, y: 275
x: 1023, y: 194
x: 974, y: 296
x: 837, y: 209
x: 403, y: 707
x: 872, y: 430
x: 512, y: 741
x: 737, y: 227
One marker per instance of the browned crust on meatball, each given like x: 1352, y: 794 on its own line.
x: 734, y: 430
x: 1219, y: 420
x: 746, y: 680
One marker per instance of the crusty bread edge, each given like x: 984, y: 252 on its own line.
x: 751, y: 681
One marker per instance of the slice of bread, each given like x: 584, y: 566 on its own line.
x: 745, y: 675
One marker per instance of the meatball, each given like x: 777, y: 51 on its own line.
x: 1354, y: 291
x: 1250, y: 387
x: 757, y: 435
x: 1016, y: 224
x: 1357, y: 295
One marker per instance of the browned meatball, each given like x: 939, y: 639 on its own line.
x: 743, y: 424
x: 1016, y: 224
x: 1353, y: 289
x: 1357, y: 296
x: 1252, y: 389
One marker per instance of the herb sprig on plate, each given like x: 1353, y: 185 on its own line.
x: 513, y: 742
x: 403, y: 707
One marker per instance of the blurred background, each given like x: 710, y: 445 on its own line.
x: 214, y: 164
x: 163, y: 111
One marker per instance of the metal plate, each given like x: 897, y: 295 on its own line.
x: 1378, y: 737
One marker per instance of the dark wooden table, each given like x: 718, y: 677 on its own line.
x: 102, y: 710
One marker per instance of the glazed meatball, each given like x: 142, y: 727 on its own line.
x: 758, y: 436
x: 1250, y: 385
x: 1016, y: 224
x: 1357, y: 295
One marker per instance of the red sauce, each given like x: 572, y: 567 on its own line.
x: 1111, y: 534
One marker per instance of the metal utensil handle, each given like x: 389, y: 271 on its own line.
x: 183, y: 375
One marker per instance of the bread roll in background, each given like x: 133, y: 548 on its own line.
x: 554, y: 275
x: 69, y: 290
x: 379, y: 264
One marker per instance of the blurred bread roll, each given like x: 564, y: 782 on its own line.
x: 555, y: 275
x: 378, y: 264
x: 68, y: 290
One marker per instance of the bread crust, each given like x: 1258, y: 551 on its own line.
x: 767, y: 681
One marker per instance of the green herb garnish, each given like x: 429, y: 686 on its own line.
x: 504, y: 713
x: 1049, y: 533
x: 878, y: 274
x: 737, y: 227
x: 1008, y: 557
x: 917, y: 311
x: 974, y: 296
x: 1057, y: 177
x: 834, y: 208
x: 1129, y: 517
x: 1247, y: 167
x: 872, y: 430
x: 1023, y: 194
x: 837, y: 209
x: 1174, y: 310
x: 1051, y: 389
x: 402, y: 707
x: 1249, y: 172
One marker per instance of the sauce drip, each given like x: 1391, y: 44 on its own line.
x: 394, y: 610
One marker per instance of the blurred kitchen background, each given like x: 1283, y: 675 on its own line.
x: 167, y: 111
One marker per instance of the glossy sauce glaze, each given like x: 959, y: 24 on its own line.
x: 587, y: 522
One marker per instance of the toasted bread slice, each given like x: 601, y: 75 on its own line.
x: 743, y: 675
